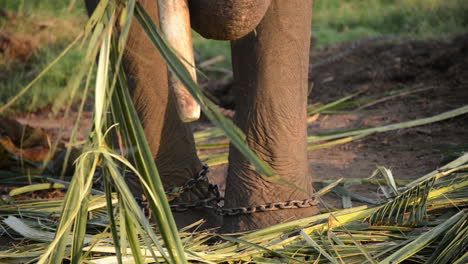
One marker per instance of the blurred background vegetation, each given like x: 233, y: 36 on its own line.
x: 34, y: 32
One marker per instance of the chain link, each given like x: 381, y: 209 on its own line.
x: 212, y: 202
x: 209, y: 203
x: 267, y: 207
x: 175, y: 192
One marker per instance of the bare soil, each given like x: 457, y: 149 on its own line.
x: 376, y: 68
x: 380, y: 67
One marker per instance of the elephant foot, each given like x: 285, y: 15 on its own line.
x: 273, y: 202
x: 195, y: 202
x: 261, y: 215
x: 190, y: 202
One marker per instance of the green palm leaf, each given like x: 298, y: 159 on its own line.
x: 423, y: 240
x: 406, y: 209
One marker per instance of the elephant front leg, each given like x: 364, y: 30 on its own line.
x: 170, y: 140
x: 270, y: 72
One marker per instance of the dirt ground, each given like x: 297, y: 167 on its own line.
x: 435, y: 73
x: 383, y: 66
x: 438, y: 69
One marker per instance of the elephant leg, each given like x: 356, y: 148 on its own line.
x: 270, y: 74
x: 171, y: 141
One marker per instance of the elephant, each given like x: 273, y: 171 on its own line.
x: 270, y: 42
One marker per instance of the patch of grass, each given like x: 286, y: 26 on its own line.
x: 337, y: 21
x: 48, y: 89
x: 207, y: 49
x: 59, y: 8
x: 35, y: 32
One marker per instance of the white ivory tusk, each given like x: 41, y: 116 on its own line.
x: 175, y: 24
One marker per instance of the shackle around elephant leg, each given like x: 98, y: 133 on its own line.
x: 175, y: 24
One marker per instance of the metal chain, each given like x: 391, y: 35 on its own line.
x: 200, y: 176
x: 200, y: 204
x: 268, y: 207
x: 211, y: 202
x: 174, y: 192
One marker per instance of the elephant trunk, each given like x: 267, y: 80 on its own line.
x: 175, y: 24
x: 227, y: 19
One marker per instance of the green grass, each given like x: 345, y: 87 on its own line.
x: 334, y: 21
x: 48, y: 89
x: 207, y: 49
x: 337, y: 21
x: 52, y: 7
x: 61, y: 26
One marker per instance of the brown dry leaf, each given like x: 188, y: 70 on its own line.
x: 312, y: 118
x: 24, y: 142
x: 4, y: 156
x: 21, y: 135
x: 34, y: 154
x: 8, y: 145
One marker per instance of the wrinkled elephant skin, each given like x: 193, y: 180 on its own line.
x: 270, y: 50
x: 227, y: 19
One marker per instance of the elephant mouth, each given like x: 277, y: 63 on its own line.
x: 175, y: 24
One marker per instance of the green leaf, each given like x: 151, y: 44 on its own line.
x: 452, y: 244
x: 419, y: 122
x: 36, y: 187
x: 388, y: 176
x: 318, y: 247
x: 421, y: 241
x: 407, y: 208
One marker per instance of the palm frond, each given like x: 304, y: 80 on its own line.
x: 423, y: 240
x: 452, y: 245
x: 407, y: 209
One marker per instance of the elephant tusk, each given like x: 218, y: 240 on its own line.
x: 175, y: 24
